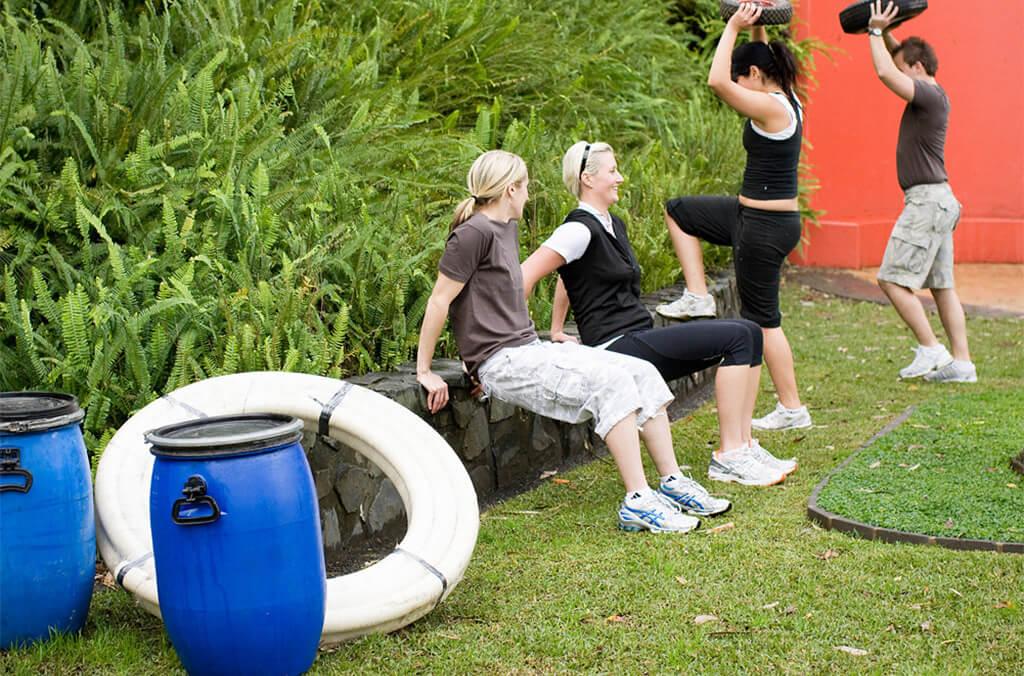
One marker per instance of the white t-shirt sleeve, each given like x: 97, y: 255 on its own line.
x: 569, y: 240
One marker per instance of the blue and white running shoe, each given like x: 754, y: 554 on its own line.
x: 652, y: 511
x: 693, y: 498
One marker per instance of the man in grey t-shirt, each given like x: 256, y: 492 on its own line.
x: 920, y: 249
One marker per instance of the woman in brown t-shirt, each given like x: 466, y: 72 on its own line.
x: 480, y: 284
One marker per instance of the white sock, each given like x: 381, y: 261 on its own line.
x: 934, y: 348
x: 638, y: 495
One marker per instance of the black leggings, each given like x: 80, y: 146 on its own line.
x: 682, y: 349
x: 760, y: 242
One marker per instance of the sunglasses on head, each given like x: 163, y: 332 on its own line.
x: 586, y: 154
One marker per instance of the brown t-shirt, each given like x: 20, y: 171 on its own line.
x: 920, y: 150
x: 490, y: 312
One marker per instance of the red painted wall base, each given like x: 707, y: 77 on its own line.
x: 852, y: 123
x: 845, y: 244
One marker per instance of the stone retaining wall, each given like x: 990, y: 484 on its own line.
x: 504, y: 448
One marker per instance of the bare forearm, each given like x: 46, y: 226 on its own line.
x: 758, y: 34
x: 433, y: 322
x: 880, y: 56
x: 721, y: 65
x: 891, y: 43
x: 559, y: 308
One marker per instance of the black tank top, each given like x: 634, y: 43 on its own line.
x: 771, y: 172
x: 604, y: 284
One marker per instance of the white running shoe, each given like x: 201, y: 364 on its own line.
x: 762, y: 455
x: 926, y: 360
x: 783, y: 418
x: 741, y: 467
x: 654, y: 512
x: 688, y: 306
x: 693, y: 498
x: 955, y: 371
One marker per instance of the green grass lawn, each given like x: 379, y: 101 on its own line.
x: 944, y: 472
x: 554, y: 587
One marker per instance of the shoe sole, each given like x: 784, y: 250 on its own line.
x: 734, y: 480
x: 696, y: 513
x: 952, y: 380
x: 629, y: 528
x: 708, y: 514
x: 781, y: 429
x: 684, y: 317
x: 925, y: 373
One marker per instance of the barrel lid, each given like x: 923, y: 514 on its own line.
x: 36, y: 411
x: 224, y: 435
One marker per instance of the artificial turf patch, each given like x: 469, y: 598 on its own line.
x: 944, y: 472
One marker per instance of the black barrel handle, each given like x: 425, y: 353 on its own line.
x: 10, y: 458
x: 195, y: 494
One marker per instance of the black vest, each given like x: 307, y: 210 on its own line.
x: 604, y: 285
x: 771, y: 171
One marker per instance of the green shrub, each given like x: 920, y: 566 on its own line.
x: 193, y: 188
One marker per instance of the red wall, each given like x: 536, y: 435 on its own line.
x: 853, y: 119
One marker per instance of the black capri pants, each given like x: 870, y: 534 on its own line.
x: 760, y: 242
x: 682, y: 349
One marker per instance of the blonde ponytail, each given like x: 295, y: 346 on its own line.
x: 463, y: 211
x: 487, y: 180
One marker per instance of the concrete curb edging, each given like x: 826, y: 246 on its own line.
x: 833, y: 521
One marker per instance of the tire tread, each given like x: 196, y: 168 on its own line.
x: 781, y: 13
x: 854, y: 19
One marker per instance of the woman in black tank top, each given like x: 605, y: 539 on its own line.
x: 762, y: 224
x: 599, y: 277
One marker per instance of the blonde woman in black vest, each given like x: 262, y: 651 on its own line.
x: 600, y: 278
x: 762, y: 224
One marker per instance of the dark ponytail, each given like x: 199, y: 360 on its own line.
x: 774, y: 59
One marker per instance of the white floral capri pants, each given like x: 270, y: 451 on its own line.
x: 573, y: 383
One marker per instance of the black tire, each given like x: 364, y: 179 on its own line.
x: 775, y: 12
x: 854, y: 19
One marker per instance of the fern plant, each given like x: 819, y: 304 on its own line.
x: 190, y: 189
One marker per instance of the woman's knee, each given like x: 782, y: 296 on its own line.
x: 670, y: 222
x: 738, y: 348
x: 756, y: 341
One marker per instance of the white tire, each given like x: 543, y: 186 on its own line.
x: 440, y: 502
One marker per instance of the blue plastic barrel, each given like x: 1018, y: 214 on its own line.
x: 47, y: 528
x: 237, y: 545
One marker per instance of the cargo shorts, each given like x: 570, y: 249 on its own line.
x: 573, y: 383
x: 919, y: 254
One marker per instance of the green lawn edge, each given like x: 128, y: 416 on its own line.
x: 944, y: 472
x: 553, y: 587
